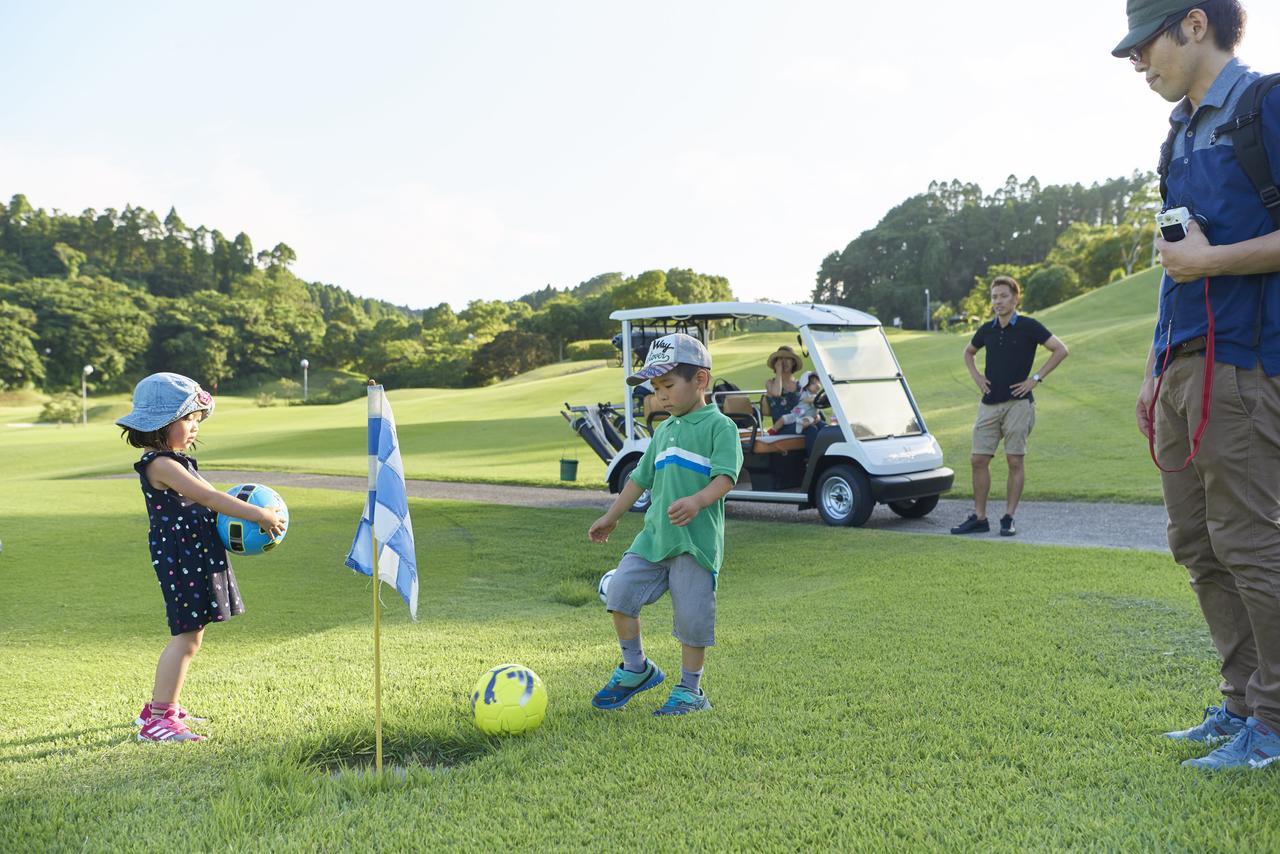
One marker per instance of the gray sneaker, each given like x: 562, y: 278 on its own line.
x: 1218, y: 725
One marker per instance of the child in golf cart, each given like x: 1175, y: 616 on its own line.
x: 805, y: 413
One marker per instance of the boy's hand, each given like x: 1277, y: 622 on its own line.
x: 682, y: 511
x: 601, y: 529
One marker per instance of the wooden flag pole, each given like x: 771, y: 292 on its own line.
x: 377, y: 628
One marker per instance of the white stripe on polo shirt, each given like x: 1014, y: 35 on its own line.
x: 686, y: 459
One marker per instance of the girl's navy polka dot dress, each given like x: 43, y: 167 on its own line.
x: 190, y: 561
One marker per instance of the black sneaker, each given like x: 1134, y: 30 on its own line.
x: 1006, y: 526
x: 972, y: 525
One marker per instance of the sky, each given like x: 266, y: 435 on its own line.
x: 428, y: 152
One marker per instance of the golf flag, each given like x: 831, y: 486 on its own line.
x: 386, y: 509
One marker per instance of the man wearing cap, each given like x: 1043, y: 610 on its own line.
x: 691, y: 463
x: 1224, y: 505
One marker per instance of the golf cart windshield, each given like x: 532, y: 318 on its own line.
x: 867, y: 381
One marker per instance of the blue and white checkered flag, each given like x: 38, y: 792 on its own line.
x: 386, y: 510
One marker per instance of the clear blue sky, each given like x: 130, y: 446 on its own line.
x: 429, y: 152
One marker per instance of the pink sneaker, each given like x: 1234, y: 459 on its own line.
x: 167, y: 729
x: 183, y: 715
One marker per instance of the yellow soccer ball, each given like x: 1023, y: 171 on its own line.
x: 508, y: 700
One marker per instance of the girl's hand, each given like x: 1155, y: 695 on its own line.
x: 271, y: 521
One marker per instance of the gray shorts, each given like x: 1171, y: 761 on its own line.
x: 637, y: 582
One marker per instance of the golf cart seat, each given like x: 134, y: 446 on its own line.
x: 756, y: 441
x: 652, y: 412
x: 739, y: 409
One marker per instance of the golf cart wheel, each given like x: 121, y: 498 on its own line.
x: 914, y: 508
x: 643, y: 502
x: 843, y: 497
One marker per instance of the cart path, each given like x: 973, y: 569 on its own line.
x: 1059, y: 523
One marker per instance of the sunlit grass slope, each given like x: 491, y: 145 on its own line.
x: 881, y: 694
x: 1084, y: 444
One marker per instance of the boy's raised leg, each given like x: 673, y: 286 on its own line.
x: 636, y: 673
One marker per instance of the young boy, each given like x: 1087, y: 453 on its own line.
x: 691, y: 462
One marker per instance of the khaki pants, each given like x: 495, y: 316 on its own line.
x: 1224, y: 519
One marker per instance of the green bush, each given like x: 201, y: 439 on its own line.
x: 283, y: 388
x: 63, y: 408
x: 1050, y: 286
x: 339, y: 390
x: 590, y: 348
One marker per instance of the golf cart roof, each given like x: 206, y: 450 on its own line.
x: 802, y: 314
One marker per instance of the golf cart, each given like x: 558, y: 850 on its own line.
x: 873, y: 449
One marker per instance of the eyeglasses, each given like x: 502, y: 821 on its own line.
x: 1174, y: 20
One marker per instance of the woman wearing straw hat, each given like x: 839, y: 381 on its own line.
x: 781, y: 389
x: 783, y: 392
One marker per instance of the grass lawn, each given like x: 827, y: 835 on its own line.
x: 1085, y: 445
x: 883, y: 692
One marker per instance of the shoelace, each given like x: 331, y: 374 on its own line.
x: 1238, y: 745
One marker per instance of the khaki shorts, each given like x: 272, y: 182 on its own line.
x: 1011, y: 420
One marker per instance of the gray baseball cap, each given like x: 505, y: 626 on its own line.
x: 163, y: 398
x: 669, y: 351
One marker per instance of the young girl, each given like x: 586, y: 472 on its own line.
x: 805, y: 414
x: 190, y: 561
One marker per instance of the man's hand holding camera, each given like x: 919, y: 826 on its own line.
x: 1189, y: 259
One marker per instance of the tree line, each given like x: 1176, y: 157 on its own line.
x: 130, y: 293
x: 1058, y: 241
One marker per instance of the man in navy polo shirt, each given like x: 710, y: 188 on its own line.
x: 1224, y: 507
x: 1007, y: 410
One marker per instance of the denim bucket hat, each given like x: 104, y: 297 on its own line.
x: 161, y: 399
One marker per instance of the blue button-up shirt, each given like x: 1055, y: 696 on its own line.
x: 1205, y: 177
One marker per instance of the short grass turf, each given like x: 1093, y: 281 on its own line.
x: 1085, y: 444
x: 877, y: 692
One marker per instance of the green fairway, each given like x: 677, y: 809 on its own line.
x: 885, y: 692
x: 1085, y: 445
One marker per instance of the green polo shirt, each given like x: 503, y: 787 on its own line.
x: 685, y: 454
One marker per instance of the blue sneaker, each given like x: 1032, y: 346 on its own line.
x: 683, y: 701
x: 1255, y: 746
x: 1218, y: 725
x: 624, y: 684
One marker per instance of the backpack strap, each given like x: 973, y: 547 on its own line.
x: 1162, y: 167
x: 1246, y: 125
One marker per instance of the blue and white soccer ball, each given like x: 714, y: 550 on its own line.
x: 603, y: 587
x: 243, y: 537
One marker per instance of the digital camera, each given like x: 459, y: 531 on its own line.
x: 1173, y: 223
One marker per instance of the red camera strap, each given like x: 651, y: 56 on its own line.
x: 1206, y: 394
